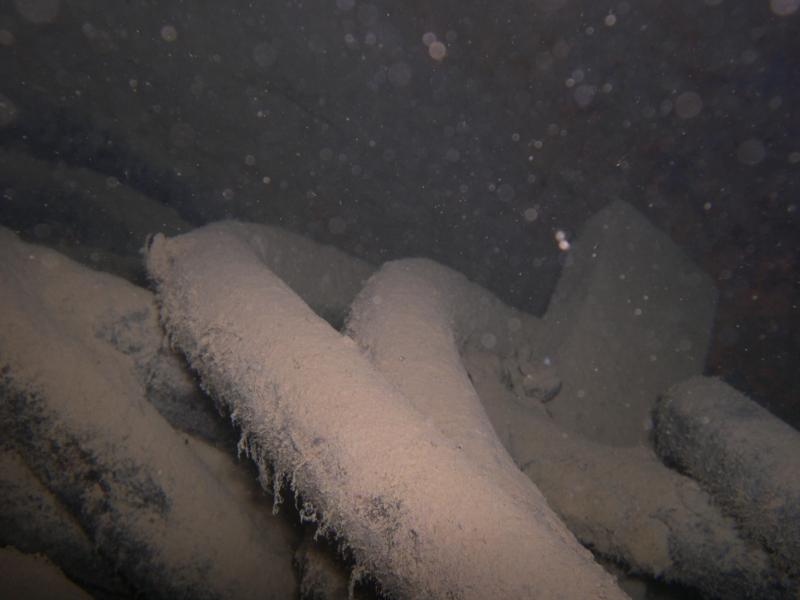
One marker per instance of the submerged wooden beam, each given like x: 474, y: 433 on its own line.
x: 411, y: 504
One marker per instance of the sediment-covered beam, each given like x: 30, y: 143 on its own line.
x: 624, y: 503
x: 75, y: 409
x: 745, y: 457
x: 411, y: 504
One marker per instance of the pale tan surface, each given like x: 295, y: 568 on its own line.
x: 624, y: 502
x: 33, y: 577
x: 742, y: 454
x: 81, y: 419
x: 410, y: 503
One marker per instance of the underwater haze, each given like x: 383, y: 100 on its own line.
x: 434, y: 279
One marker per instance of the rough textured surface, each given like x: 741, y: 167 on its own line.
x: 33, y: 521
x: 326, y: 278
x: 631, y: 315
x: 121, y: 318
x: 75, y: 408
x: 623, y: 503
x: 746, y: 458
x: 411, y: 319
x: 321, y: 577
x: 414, y: 510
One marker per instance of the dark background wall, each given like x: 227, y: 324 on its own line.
x: 469, y: 132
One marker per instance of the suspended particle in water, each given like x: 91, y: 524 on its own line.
x: 688, y: 105
x: 169, y: 33
x: 751, y: 152
x: 784, y: 8
x: 584, y: 94
x: 506, y: 192
x: 561, y: 240
x: 530, y: 214
x: 437, y: 50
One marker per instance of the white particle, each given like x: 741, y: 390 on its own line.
x: 530, y: 214
x: 561, y: 239
x: 428, y: 38
x: 437, y: 50
x: 169, y: 33
x: 584, y: 94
